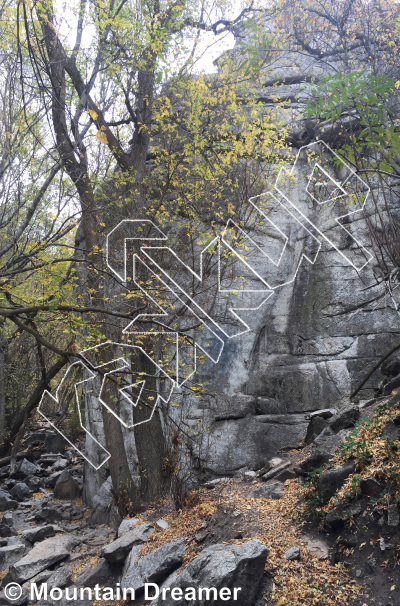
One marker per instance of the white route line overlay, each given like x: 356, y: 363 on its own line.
x: 292, y: 210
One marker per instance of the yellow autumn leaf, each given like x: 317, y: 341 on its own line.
x: 93, y: 114
x: 397, y: 85
x: 102, y: 137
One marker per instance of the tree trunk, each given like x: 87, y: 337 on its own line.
x: 149, y: 436
x: 3, y: 350
x: 150, y: 444
x: 33, y: 402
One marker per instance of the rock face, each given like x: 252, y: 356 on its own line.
x: 304, y: 351
x: 43, y: 555
x: 307, y: 346
x: 222, y: 566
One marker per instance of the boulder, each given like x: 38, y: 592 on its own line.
x: 391, y: 367
x: 20, y: 601
x: 39, y: 533
x: 66, y: 487
x: 392, y: 431
x: 286, y: 474
x: 239, y: 567
x: 42, y: 577
x: 6, y: 530
x: 293, y: 553
x: 201, y: 536
x: 315, y: 427
x: 7, y: 518
x: 11, y: 554
x: 21, y: 491
x: 347, y: 417
x: 59, y: 465
x: 154, y: 567
x: 127, y: 525
x: 162, y: 524
x: 26, y: 469
x: 104, y: 510
x: 332, y: 480
x: 371, y: 487
x: 60, y: 578
x: 249, y: 442
x: 34, y: 483
x: 325, y: 413
x: 55, y: 443
x: 118, y: 550
x: 267, y: 491
x: 37, y: 436
x: 51, y: 480
x: 6, y: 501
x: 317, y: 545
x: 337, y: 517
x: 391, y: 385
x: 8, y: 484
x: 49, y: 513
x: 42, y: 555
x: 323, y: 449
x: 104, y: 574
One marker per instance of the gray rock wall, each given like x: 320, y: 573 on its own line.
x: 309, y: 344
x: 309, y: 347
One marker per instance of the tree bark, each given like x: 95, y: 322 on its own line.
x: 33, y: 402
x: 3, y: 350
x: 150, y: 443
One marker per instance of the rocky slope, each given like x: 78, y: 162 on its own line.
x: 257, y: 531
